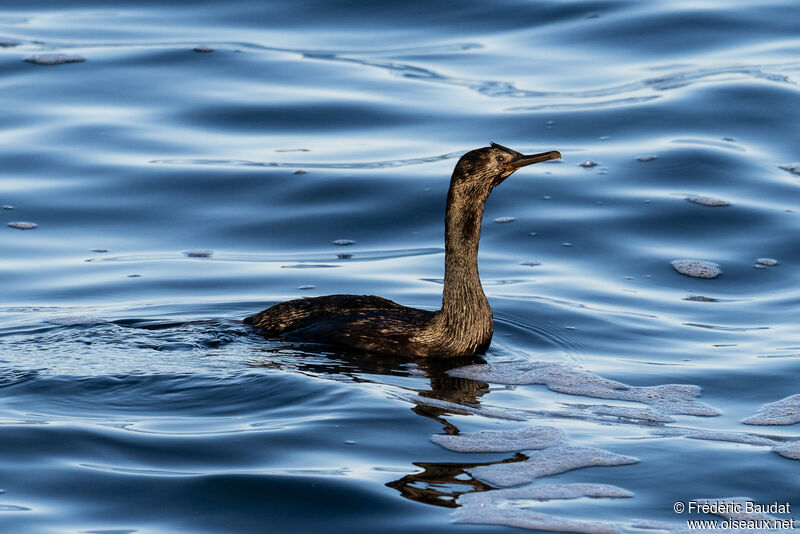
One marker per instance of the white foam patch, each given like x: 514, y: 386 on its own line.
x: 534, y: 437
x: 697, y: 268
x: 709, y: 201
x: 715, y: 435
x: 55, y: 59
x: 668, y: 398
x: 547, y: 462
x: 541, y: 492
x: 23, y: 225
x: 790, y: 449
x: 783, y: 412
x: 492, y: 507
x: 531, y: 520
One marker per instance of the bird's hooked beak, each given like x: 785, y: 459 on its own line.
x: 528, y: 159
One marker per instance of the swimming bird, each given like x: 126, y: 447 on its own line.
x: 463, y: 326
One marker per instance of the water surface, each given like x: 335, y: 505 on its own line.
x: 176, y: 191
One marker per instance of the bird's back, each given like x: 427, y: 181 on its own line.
x: 300, y: 313
x: 363, y: 322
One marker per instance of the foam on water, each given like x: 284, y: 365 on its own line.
x: 492, y: 507
x: 551, y: 461
x: 697, y: 268
x: 709, y: 201
x: 532, y: 520
x: 783, y: 412
x: 55, y: 59
x: 790, y: 449
x: 22, y: 225
x: 667, y: 399
x: 535, y: 437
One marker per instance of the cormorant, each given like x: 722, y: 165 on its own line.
x: 463, y: 326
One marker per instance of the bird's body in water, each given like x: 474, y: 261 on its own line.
x: 464, y: 324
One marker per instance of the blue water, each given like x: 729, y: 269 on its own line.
x: 195, y: 188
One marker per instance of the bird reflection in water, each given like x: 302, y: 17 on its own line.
x: 439, y: 483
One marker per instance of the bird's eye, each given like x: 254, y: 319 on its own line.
x: 500, y: 158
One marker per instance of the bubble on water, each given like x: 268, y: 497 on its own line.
x: 588, y: 164
x: 783, y: 412
x: 767, y: 261
x: 630, y: 412
x: 700, y: 298
x: 793, y: 168
x: 203, y: 49
x: 709, y: 201
x: 23, y: 225
x: 502, y: 220
x: 134, y: 276
x: 547, y: 462
x: 790, y: 449
x: 534, y: 437
x: 344, y: 242
x: 647, y: 158
x: 532, y: 234
x: 697, y: 268
x: 566, y: 244
x: 8, y: 207
x: 306, y: 287
x: 605, y: 137
x: 530, y: 263
x: 300, y: 171
x: 668, y: 398
x: 55, y: 59
x: 198, y: 253
x: 547, y: 197
x: 99, y: 250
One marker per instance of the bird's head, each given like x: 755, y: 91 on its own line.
x: 490, y: 165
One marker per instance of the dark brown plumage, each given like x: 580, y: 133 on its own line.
x: 463, y: 325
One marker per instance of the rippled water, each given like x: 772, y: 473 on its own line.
x: 205, y: 161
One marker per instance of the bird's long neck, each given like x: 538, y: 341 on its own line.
x: 465, y: 311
